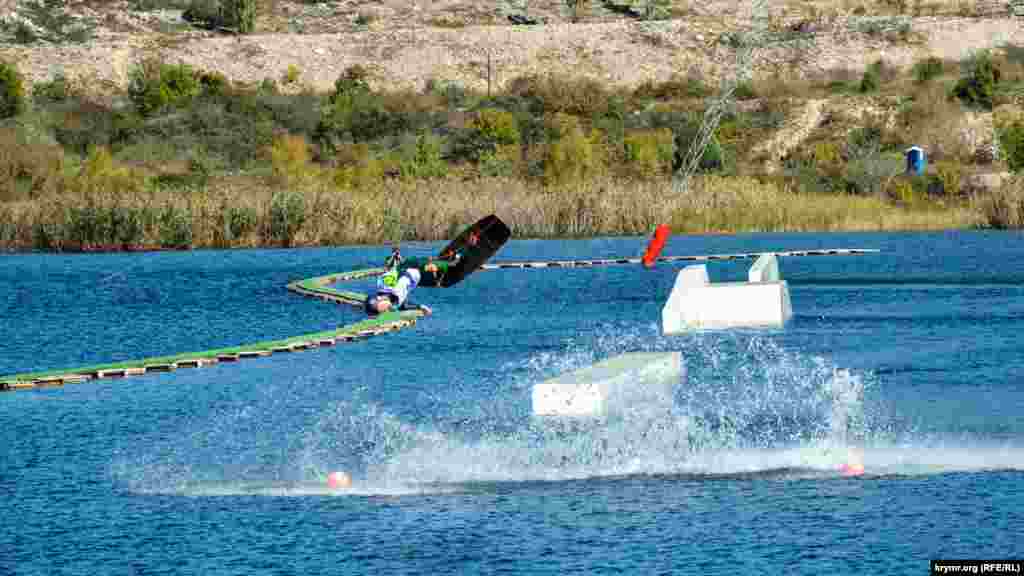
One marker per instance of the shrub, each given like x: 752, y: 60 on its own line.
x: 574, y: 155
x: 287, y: 215
x: 453, y: 93
x: 291, y: 76
x: 575, y: 7
x: 649, y: 153
x: 421, y: 158
x: 175, y: 225
x: 745, y: 91
x: 213, y: 83
x: 690, y: 86
x: 234, y: 224
x: 100, y: 175
x: 872, y: 78
x: 927, y: 69
x: 358, y: 168
x: 485, y: 131
x: 584, y: 97
x: 352, y: 80
x: 868, y: 174
x: 686, y: 134
x: 57, y: 90
x: 28, y: 169
x: 977, y: 84
x: 1011, y: 142
x: 495, y: 125
x: 948, y: 175
x: 354, y: 113
x: 1004, y: 208
x: 12, y: 91
x: 501, y: 163
x: 49, y: 20
x: 290, y: 161
x: 106, y: 225
x: 205, y: 13
x: 235, y: 15
x: 239, y: 15
x: 154, y: 85
x: 80, y: 125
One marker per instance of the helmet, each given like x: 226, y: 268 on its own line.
x: 371, y: 305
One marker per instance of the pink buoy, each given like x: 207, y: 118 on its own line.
x: 851, y: 469
x: 338, y: 480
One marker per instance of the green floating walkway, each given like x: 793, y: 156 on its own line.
x: 312, y: 287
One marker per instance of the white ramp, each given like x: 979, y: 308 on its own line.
x: 624, y: 383
x: 695, y: 303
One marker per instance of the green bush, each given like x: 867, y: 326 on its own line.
x: 287, y: 215
x: 80, y: 125
x: 239, y: 15
x: 421, y: 158
x: 353, y: 80
x: 234, y: 224
x: 213, y: 83
x: 649, y: 154
x: 204, y: 13
x: 483, y: 134
x: 1011, y: 141
x: 947, y: 179
x: 355, y: 114
x: 56, y: 90
x: 927, y: 69
x: 495, y: 125
x: 154, y: 85
x: 979, y: 77
x: 12, y: 91
x: 872, y: 78
x: 94, y: 225
x: 236, y: 15
x: 175, y: 225
x: 50, y: 21
x: 685, y: 136
x: 574, y: 155
x: 744, y: 91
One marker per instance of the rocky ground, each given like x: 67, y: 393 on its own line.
x: 405, y: 44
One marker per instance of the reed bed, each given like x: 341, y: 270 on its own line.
x: 247, y: 212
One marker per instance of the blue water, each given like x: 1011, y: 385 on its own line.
x: 910, y: 360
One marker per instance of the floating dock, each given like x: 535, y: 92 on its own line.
x: 313, y: 287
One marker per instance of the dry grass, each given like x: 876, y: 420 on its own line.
x: 746, y: 205
x: 219, y: 215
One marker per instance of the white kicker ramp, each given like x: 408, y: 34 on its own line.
x: 628, y: 382
x: 695, y: 303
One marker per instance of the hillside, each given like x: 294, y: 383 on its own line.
x: 407, y: 43
x: 593, y: 104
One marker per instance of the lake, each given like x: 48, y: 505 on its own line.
x: 911, y: 359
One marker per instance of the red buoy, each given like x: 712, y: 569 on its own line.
x: 654, y: 247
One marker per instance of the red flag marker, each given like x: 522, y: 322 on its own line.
x: 661, y: 234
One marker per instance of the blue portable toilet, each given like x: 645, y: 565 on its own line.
x: 916, y: 160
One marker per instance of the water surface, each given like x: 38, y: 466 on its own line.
x: 909, y: 359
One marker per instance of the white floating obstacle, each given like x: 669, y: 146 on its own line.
x: 624, y: 383
x: 696, y: 303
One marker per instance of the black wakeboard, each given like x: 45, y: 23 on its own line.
x: 470, y: 249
